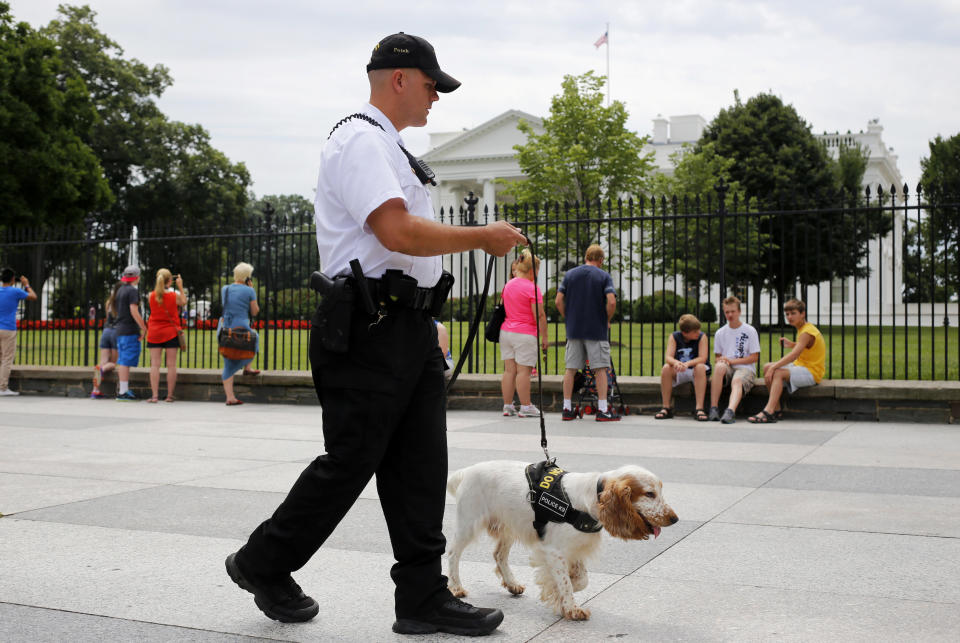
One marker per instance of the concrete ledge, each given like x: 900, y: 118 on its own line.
x: 868, y: 400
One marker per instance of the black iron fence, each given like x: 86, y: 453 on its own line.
x: 880, y: 274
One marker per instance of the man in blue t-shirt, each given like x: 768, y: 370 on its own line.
x: 10, y: 299
x: 587, y: 299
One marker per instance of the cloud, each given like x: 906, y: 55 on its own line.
x: 268, y: 80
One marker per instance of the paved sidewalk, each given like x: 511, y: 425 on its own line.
x: 117, y: 518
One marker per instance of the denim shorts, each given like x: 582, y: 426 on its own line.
x: 108, y: 339
x: 128, y: 350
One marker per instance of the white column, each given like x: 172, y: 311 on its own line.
x: 489, y: 196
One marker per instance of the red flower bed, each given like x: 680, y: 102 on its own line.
x: 203, y: 324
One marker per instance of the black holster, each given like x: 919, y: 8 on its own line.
x: 334, y: 312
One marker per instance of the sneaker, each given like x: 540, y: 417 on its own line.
x: 279, y: 598
x: 607, y: 416
x: 97, y: 395
x: 509, y: 409
x: 569, y: 414
x: 452, y: 617
x: 128, y: 396
x: 714, y: 414
x: 8, y: 393
x: 97, y: 377
x: 529, y: 411
x: 728, y: 417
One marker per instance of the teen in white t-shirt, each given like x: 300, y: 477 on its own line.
x: 737, y: 349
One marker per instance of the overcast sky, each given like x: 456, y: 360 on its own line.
x: 269, y: 79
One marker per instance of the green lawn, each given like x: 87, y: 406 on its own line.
x: 930, y: 354
x: 927, y: 354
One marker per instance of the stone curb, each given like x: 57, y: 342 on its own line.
x: 870, y: 400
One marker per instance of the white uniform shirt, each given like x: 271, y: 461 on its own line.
x: 738, y: 342
x: 362, y: 167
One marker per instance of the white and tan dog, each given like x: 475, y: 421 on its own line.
x: 628, y: 503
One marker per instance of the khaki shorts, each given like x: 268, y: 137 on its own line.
x: 746, y: 377
x: 519, y: 347
x: 580, y: 350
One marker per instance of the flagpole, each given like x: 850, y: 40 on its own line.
x: 608, y: 64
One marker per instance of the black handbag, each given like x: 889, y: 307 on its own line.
x: 492, y: 331
x: 238, y: 342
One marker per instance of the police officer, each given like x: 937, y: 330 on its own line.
x: 383, y: 399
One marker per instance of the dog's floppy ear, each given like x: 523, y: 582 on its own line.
x: 617, y: 512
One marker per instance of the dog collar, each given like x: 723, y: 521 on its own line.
x: 550, y: 501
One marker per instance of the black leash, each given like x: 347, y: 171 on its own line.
x: 474, y: 325
x: 472, y: 335
x: 536, y: 322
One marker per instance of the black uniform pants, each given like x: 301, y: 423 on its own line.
x: 383, y: 413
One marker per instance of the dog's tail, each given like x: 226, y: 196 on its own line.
x: 453, y: 482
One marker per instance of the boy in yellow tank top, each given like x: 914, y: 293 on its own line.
x: 803, y: 366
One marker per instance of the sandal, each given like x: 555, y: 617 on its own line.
x: 234, y: 402
x: 762, y: 418
x: 701, y: 415
x: 251, y: 372
x: 664, y: 414
x: 170, y: 398
x: 153, y: 400
x: 778, y: 415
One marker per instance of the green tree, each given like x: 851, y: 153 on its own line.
x: 48, y: 175
x: 689, y: 197
x: 161, y: 171
x: 931, y: 248
x: 779, y: 163
x: 585, y: 158
x: 169, y: 180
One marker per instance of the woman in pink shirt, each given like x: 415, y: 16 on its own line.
x: 518, y: 335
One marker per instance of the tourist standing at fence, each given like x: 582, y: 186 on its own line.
x: 10, y: 298
x: 163, y: 330
x: 736, y: 346
x: 522, y: 300
x: 108, y: 343
x: 239, y: 303
x: 803, y: 366
x: 587, y: 300
x: 378, y: 374
x: 687, y: 359
x: 130, y: 330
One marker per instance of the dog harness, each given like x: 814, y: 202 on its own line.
x: 551, y: 503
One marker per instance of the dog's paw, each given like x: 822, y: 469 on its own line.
x: 576, y: 614
x: 457, y: 591
x: 514, y: 588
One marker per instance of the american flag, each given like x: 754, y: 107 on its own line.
x: 602, y: 40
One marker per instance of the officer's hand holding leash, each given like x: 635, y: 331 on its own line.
x: 502, y: 237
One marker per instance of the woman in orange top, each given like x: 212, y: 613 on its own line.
x: 162, y: 328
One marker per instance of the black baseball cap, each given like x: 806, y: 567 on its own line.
x: 405, y: 51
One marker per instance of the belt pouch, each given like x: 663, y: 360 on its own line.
x: 400, y: 288
x: 333, y: 317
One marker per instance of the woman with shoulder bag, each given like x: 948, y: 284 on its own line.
x: 518, y: 335
x: 239, y: 301
x: 163, y: 330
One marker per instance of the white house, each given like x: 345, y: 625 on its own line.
x: 473, y: 159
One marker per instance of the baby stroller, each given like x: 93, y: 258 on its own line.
x: 585, y: 382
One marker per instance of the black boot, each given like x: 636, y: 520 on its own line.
x: 453, y: 617
x: 280, y: 598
